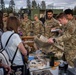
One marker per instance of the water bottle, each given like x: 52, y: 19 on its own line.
x: 61, y: 69
x: 52, y: 58
x: 65, y: 63
x: 65, y: 66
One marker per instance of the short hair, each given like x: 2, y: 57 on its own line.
x: 68, y: 11
x: 49, y: 11
x: 12, y: 23
x: 61, y: 15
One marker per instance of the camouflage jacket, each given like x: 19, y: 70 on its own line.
x: 26, y: 27
x: 69, y: 39
x: 49, y: 24
x: 73, y: 21
x: 38, y: 28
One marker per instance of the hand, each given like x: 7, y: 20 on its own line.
x: 7, y: 68
x: 50, y: 40
x: 60, y: 31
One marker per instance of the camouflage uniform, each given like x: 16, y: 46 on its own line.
x: 69, y: 39
x: 49, y: 24
x: 26, y: 27
x: 5, y: 16
x: 73, y: 21
x: 38, y: 28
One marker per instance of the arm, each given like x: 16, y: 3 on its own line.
x: 67, y: 33
x: 19, y: 44
x: 22, y: 49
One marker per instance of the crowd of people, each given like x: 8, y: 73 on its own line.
x: 60, y: 31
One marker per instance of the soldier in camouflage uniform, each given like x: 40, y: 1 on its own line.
x: 69, y: 39
x: 50, y: 24
x: 26, y: 26
x: 37, y: 27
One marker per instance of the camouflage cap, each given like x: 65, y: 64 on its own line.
x: 5, y: 15
x: 36, y: 15
x: 11, y: 14
x: 25, y: 15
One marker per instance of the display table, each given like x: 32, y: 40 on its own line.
x: 54, y: 72
x: 36, y: 68
x: 42, y: 64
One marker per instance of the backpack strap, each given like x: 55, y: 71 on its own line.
x: 8, y: 39
x: 14, y: 55
x: 6, y: 44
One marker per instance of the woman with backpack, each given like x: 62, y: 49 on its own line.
x: 15, y: 48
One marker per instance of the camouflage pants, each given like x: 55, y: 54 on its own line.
x: 70, y: 56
